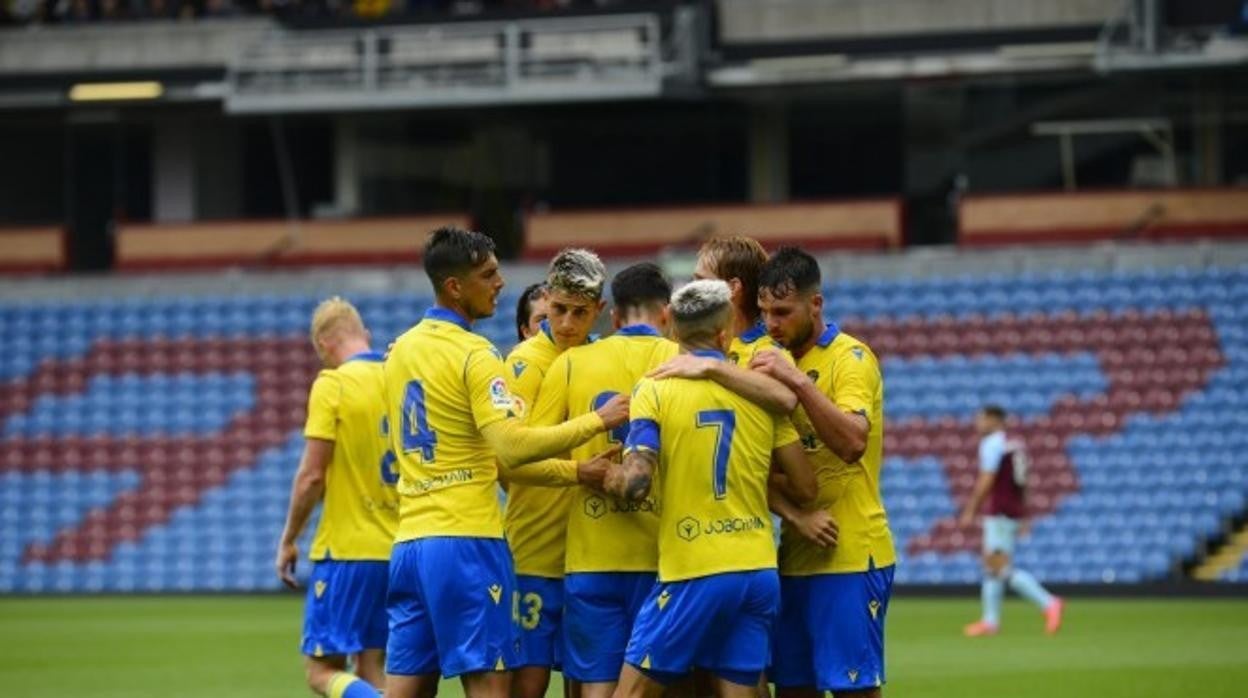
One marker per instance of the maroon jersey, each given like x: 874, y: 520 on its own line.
x: 1005, y: 455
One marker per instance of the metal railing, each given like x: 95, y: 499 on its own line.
x: 532, y: 60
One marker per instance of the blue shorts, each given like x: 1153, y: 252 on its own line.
x: 1000, y: 533
x: 451, y: 607
x: 598, y: 613
x: 346, y: 608
x: 540, y: 608
x: 831, y: 631
x: 721, y: 623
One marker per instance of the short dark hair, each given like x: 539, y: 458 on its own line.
x: 790, y: 270
x: 452, y: 251
x: 640, y: 285
x: 994, y: 411
x: 524, y: 307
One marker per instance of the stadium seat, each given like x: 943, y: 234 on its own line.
x: 132, y: 432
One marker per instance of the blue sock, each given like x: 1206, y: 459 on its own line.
x: 1027, y: 587
x: 992, y: 591
x: 344, y: 685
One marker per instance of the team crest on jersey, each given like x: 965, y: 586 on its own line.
x: 688, y: 528
x: 595, y: 506
x: 499, y: 397
x: 813, y: 375
x: 518, y: 366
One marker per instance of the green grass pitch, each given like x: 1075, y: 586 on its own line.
x: 201, y: 647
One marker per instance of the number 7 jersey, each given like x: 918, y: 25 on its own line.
x: 714, y: 451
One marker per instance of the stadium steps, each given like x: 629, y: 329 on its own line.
x: 1225, y: 558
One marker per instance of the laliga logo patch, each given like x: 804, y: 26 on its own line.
x: 499, y: 396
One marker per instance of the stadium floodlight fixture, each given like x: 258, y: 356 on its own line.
x: 115, y: 91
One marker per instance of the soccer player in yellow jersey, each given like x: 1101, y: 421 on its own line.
x: 611, y: 553
x: 738, y: 260
x: 709, y: 453
x: 347, y: 467
x: 535, y: 519
x: 453, y: 423
x: 835, y: 599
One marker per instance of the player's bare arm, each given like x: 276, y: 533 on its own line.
x: 631, y: 480
x: 844, y: 433
x: 762, y: 390
x: 800, y: 483
x: 815, y: 525
x: 306, y: 492
x: 983, y: 485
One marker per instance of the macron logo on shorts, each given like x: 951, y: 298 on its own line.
x: 319, y: 588
x: 664, y: 597
x: 496, y: 593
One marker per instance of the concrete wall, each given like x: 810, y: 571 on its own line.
x: 757, y: 21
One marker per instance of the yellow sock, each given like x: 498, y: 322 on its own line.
x: 346, y: 685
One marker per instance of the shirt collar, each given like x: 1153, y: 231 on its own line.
x: 753, y: 334
x: 448, y: 315
x: 545, y: 326
x: 638, y: 330
x: 368, y: 355
x: 708, y: 354
x: 828, y: 335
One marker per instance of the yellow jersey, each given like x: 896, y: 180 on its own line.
x: 745, y: 345
x: 845, y: 370
x: 535, y: 519
x: 604, y: 535
x: 714, y: 451
x: 360, y: 511
x: 443, y: 385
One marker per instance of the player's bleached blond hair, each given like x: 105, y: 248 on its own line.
x: 578, y: 272
x: 334, y: 316
x: 700, y: 310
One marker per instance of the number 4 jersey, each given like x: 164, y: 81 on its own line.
x: 361, y: 508
x: 714, y: 449
x: 444, y: 384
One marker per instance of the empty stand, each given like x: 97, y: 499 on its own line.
x: 148, y: 444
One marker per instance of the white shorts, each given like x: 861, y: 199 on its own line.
x: 999, y: 534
